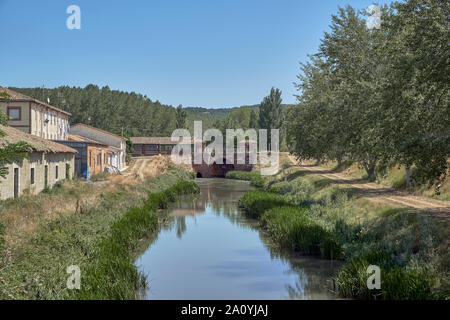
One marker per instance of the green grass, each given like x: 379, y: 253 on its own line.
x: 256, y: 202
x: 318, y: 218
x: 99, y: 176
x: 254, y: 177
x: 112, y: 274
x: 293, y: 229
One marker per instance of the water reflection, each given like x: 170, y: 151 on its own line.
x: 209, y: 250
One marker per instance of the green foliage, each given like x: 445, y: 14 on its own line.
x: 67, y: 171
x: 255, y: 203
x: 270, y: 113
x: 255, y: 178
x: 112, y: 275
x: 181, y: 116
x: 297, y: 191
x: 2, y: 240
x: 378, y: 96
x: 11, y: 152
x: 396, y: 283
x: 292, y: 228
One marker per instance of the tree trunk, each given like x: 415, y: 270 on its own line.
x: 339, y: 161
x: 370, y: 170
x: 408, y: 176
x: 317, y: 162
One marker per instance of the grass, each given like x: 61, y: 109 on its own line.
x: 103, y: 176
x: 254, y: 177
x: 112, y: 274
x: 256, y: 202
x: 293, y: 229
x: 35, y: 266
x: 311, y: 215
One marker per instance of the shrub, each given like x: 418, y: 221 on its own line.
x: 255, y: 178
x: 112, y: 275
x: 255, y: 203
x: 2, y: 240
x: 293, y: 229
x: 396, y: 283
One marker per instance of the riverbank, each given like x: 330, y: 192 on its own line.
x: 35, y: 259
x: 312, y: 216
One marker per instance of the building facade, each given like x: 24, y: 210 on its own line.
x: 150, y: 146
x: 34, y: 117
x: 48, y: 163
x: 117, y: 144
x: 91, y: 157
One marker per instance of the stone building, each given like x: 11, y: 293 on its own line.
x: 48, y: 163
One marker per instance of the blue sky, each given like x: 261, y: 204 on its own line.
x: 210, y: 53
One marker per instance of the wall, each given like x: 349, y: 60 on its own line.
x: 54, y: 129
x: 104, y: 139
x: 24, y: 123
x: 38, y: 162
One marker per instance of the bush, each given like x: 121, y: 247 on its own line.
x: 113, y: 275
x: 2, y: 240
x: 255, y: 203
x: 298, y: 191
x: 293, y: 229
x: 255, y: 178
x: 396, y: 283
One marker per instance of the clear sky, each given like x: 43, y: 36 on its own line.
x: 210, y: 53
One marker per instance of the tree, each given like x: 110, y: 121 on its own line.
x: 180, y: 117
x: 270, y: 113
x: 253, y: 123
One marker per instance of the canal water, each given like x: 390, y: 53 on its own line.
x: 210, y: 250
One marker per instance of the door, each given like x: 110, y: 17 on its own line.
x: 16, y: 182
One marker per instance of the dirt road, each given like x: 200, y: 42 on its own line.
x: 376, y: 192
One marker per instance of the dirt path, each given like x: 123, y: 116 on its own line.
x: 378, y: 193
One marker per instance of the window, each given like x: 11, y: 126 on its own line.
x: 32, y: 176
x: 14, y: 113
x: 56, y: 172
x: 152, y: 147
x: 90, y: 158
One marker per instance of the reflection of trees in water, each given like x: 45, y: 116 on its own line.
x: 313, y: 276
x: 181, y: 225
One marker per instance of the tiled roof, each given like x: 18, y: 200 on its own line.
x: 13, y: 135
x: 97, y: 129
x: 153, y: 140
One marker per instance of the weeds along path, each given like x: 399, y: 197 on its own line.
x: 375, y: 192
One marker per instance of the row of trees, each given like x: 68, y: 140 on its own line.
x: 379, y: 97
x: 126, y: 113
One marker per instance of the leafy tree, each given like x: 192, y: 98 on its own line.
x: 181, y: 117
x: 270, y: 112
x: 253, y: 123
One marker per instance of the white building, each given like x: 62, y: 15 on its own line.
x: 33, y: 116
x: 48, y: 163
x: 117, y: 144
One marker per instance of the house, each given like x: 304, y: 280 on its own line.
x: 150, y: 146
x: 91, y: 158
x: 117, y: 144
x: 33, y: 116
x: 48, y: 163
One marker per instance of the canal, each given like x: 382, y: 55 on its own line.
x: 210, y: 250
